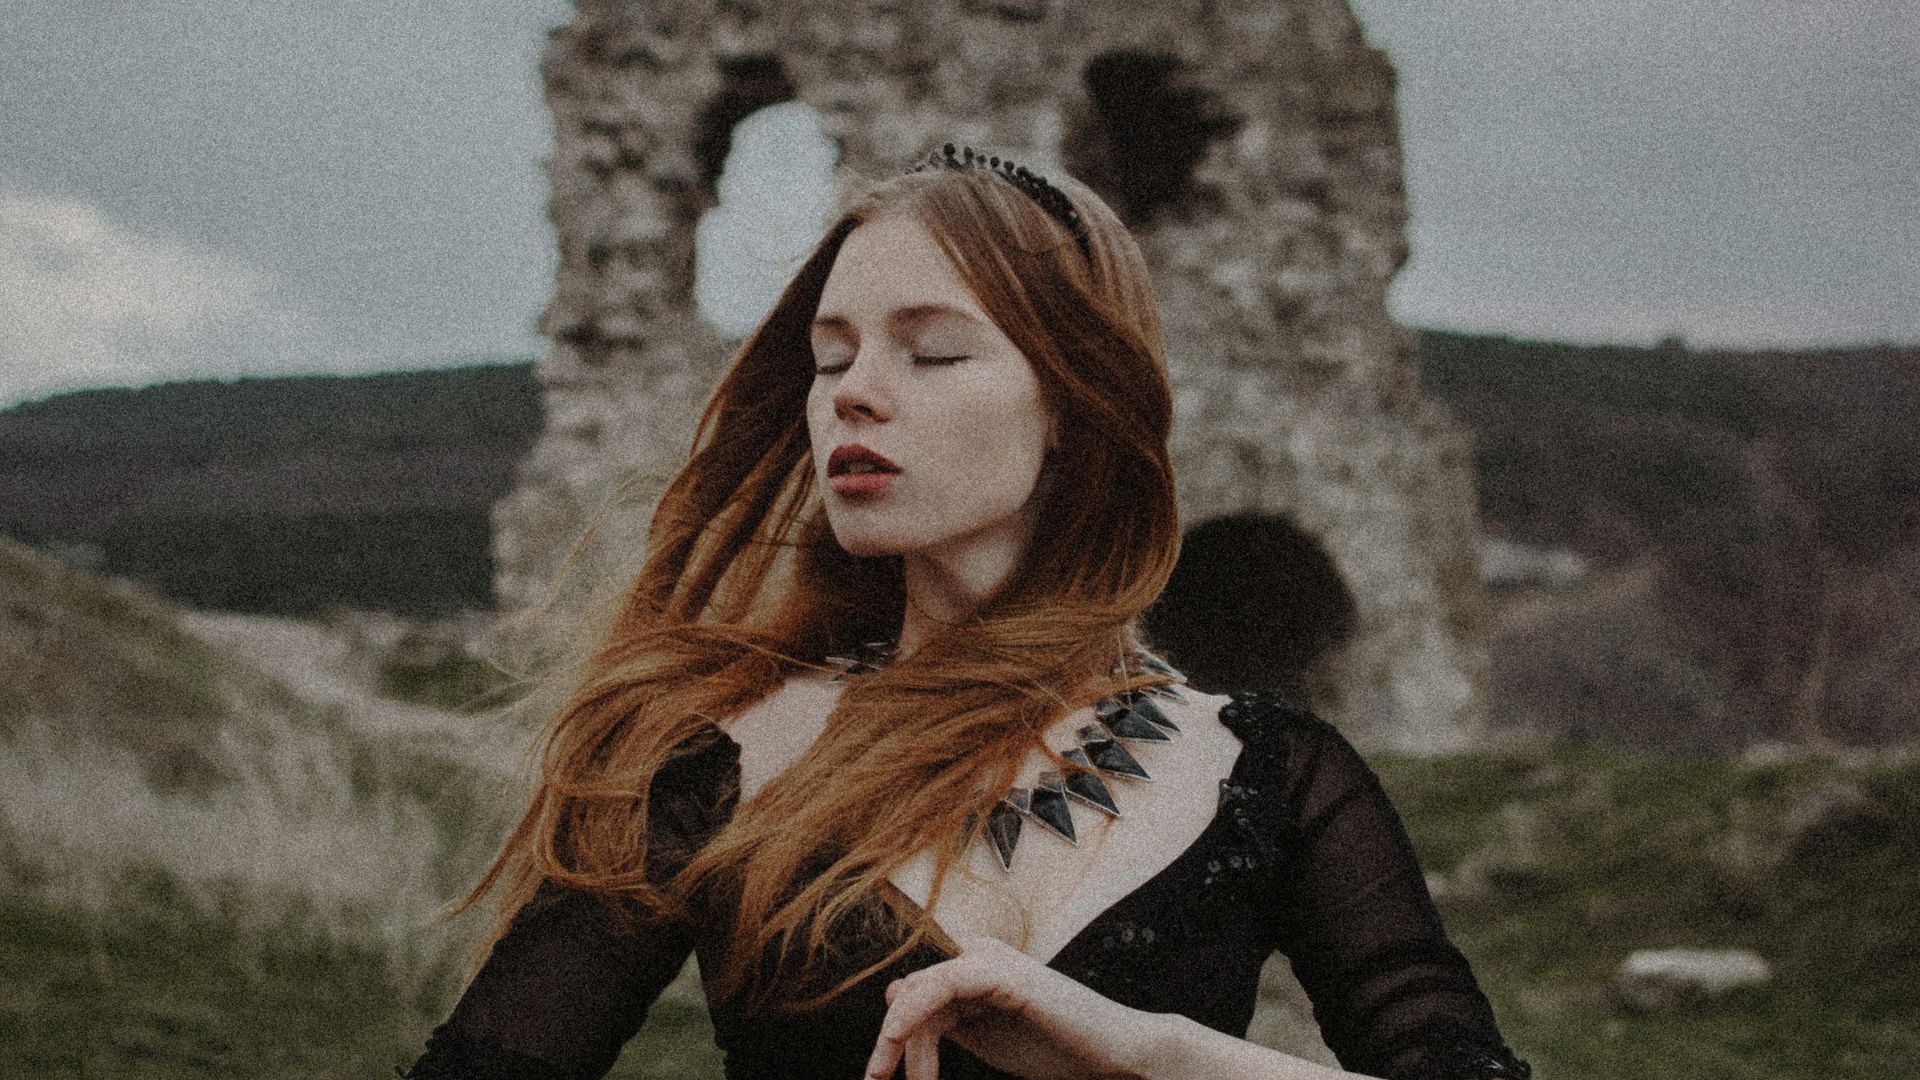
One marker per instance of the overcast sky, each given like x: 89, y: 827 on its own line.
x: 193, y: 188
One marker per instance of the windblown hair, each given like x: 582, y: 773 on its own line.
x: 744, y: 586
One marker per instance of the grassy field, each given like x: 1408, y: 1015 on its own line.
x: 283, y: 925
x: 1588, y: 855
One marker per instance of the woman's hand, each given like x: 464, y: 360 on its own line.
x: 1012, y: 1012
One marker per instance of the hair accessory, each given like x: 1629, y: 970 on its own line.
x: 1033, y: 184
x: 1132, y: 715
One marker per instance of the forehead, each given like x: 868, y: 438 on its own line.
x: 891, y: 272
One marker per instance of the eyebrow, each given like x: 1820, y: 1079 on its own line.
x: 909, y: 315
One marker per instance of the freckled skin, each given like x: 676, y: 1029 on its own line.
x: 969, y: 436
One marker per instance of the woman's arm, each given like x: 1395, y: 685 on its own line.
x: 576, y: 974
x: 558, y: 997
x: 1176, y: 1047
x: 1393, y: 997
x: 1022, y: 1017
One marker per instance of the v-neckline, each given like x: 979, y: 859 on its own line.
x: 1206, y: 832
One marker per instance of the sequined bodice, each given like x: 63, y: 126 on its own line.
x: 1304, y: 856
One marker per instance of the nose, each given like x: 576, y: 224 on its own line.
x: 864, y: 390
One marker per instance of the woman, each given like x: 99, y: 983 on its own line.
x: 888, y: 616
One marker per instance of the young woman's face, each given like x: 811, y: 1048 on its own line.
x: 907, y: 366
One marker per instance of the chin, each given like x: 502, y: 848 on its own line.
x: 878, y: 535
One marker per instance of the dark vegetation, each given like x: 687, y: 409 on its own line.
x: 1755, y: 522
x: 278, y: 495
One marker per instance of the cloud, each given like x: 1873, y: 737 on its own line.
x: 87, y: 302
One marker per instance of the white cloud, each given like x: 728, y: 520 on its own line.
x: 87, y: 302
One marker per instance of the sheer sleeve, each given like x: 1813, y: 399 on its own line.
x: 569, y: 983
x: 1394, y: 998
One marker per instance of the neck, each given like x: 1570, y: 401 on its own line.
x: 946, y: 585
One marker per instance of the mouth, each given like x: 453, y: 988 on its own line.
x: 856, y: 460
x: 855, y: 471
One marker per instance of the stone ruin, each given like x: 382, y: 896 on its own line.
x: 1252, y: 146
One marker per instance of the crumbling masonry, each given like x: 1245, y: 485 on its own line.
x: 1253, y: 147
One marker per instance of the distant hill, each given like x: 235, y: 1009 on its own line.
x: 1614, y: 449
x: 1755, y: 518
x: 281, y: 494
x: 278, y: 494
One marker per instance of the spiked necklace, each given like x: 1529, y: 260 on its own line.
x: 1132, y: 716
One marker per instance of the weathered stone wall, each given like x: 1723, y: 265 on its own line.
x: 1253, y: 146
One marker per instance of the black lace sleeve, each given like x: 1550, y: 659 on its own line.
x: 1394, y: 998
x: 568, y: 984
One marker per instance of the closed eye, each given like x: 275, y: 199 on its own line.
x: 938, y: 361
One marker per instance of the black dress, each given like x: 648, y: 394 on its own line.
x: 1305, y: 856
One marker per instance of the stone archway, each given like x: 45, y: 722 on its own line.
x: 1255, y: 603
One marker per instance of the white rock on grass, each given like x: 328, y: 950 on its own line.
x: 1662, y: 978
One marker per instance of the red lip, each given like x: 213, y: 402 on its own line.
x: 846, y: 455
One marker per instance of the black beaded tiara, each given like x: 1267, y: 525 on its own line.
x: 1033, y: 184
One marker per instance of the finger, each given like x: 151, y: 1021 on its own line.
x: 923, y: 1054
x: 926, y: 997
x: 915, y: 1003
x: 885, y: 1056
x: 898, y: 1040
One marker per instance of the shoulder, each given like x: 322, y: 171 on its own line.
x: 1289, y: 743
x: 1274, y: 720
x: 695, y: 786
x: 1263, y: 719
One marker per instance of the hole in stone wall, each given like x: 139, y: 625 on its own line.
x: 1255, y: 603
x: 775, y: 192
x: 751, y: 83
x: 1142, y: 135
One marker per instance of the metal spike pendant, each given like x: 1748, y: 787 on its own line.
x: 1049, y: 805
x: 1155, y: 664
x: 1086, y: 785
x: 1130, y: 720
x: 1049, y: 802
x: 1154, y: 715
x: 1020, y: 799
x: 868, y: 658
x: 1003, y: 828
x: 1107, y: 755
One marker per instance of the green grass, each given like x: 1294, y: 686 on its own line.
x: 1604, y: 853
x: 152, y: 987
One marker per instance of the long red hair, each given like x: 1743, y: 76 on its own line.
x: 744, y: 586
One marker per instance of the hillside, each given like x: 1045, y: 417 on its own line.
x: 1754, y: 521
x: 280, y: 494
x: 214, y: 863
